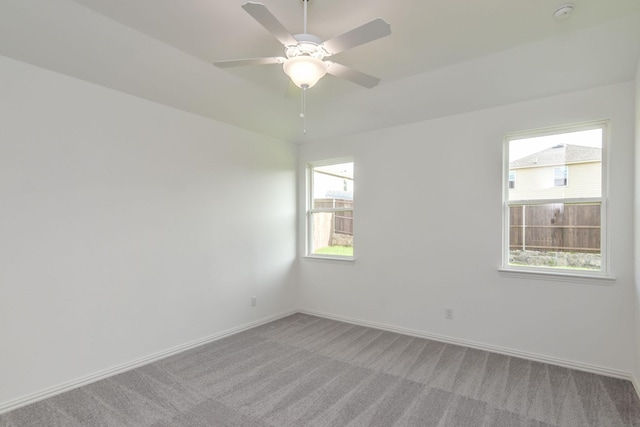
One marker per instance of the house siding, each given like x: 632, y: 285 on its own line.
x: 585, y: 180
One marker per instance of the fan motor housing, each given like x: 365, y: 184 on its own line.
x: 309, y: 45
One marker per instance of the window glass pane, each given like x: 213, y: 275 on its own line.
x: 544, y: 164
x: 332, y: 233
x: 331, y: 219
x: 560, y: 176
x: 333, y: 186
x: 512, y: 179
x: 555, y: 235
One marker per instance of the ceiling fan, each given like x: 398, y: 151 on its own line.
x: 304, y: 61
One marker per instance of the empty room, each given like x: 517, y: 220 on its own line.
x: 318, y: 212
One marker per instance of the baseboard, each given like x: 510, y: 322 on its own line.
x: 97, y: 376
x: 481, y: 346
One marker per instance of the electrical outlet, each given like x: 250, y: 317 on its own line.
x: 254, y: 301
x: 448, y: 313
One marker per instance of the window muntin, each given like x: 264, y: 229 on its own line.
x: 553, y: 222
x: 330, y: 209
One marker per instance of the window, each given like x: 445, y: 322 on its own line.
x: 560, y: 176
x: 556, y: 225
x: 330, y: 209
x: 512, y: 179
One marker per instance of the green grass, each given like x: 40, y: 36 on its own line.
x: 335, y: 250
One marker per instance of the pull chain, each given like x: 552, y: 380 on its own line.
x: 303, y: 107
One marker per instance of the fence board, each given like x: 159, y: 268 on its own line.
x: 343, y: 221
x: 555, y: 227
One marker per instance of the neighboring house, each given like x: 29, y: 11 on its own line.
x: 563, y: 171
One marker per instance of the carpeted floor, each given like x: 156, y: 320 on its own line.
x: 304, y: 370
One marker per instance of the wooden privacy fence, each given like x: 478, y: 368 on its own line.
x: 342, y: 221
x: 555, y: 227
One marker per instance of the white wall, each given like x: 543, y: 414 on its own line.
x: 428, y: 236
x: 128, y: 228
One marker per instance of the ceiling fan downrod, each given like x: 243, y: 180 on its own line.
x: 304, y: 26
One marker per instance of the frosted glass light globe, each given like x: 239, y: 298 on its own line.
x: 304, y: 70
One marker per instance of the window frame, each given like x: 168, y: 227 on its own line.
x: 310, y: 210
x: 601, y: 276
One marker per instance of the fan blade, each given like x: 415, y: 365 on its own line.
x: 366, y: 33
x: 352, y: 75
x: 249, y: 61
x: 261, y: 14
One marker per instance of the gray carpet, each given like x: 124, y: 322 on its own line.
x: 304, y: 370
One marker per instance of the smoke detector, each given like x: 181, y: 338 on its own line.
x: 563, y: 12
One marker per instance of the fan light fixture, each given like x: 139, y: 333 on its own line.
x: 304, y: 71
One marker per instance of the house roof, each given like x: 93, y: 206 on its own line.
x: 559, y: 154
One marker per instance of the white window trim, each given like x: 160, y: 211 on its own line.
x: 563, y: 276
x: 555, y: 273
x: 308, y: 250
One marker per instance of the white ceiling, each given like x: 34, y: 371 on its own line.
x: 443, y: 57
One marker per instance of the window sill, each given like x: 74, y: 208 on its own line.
x: 558, y: 276
x: 330, y: 258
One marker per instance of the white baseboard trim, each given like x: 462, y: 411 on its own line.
x: 615, y: 373
x: 79, y: 382
x: 97, y: 376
